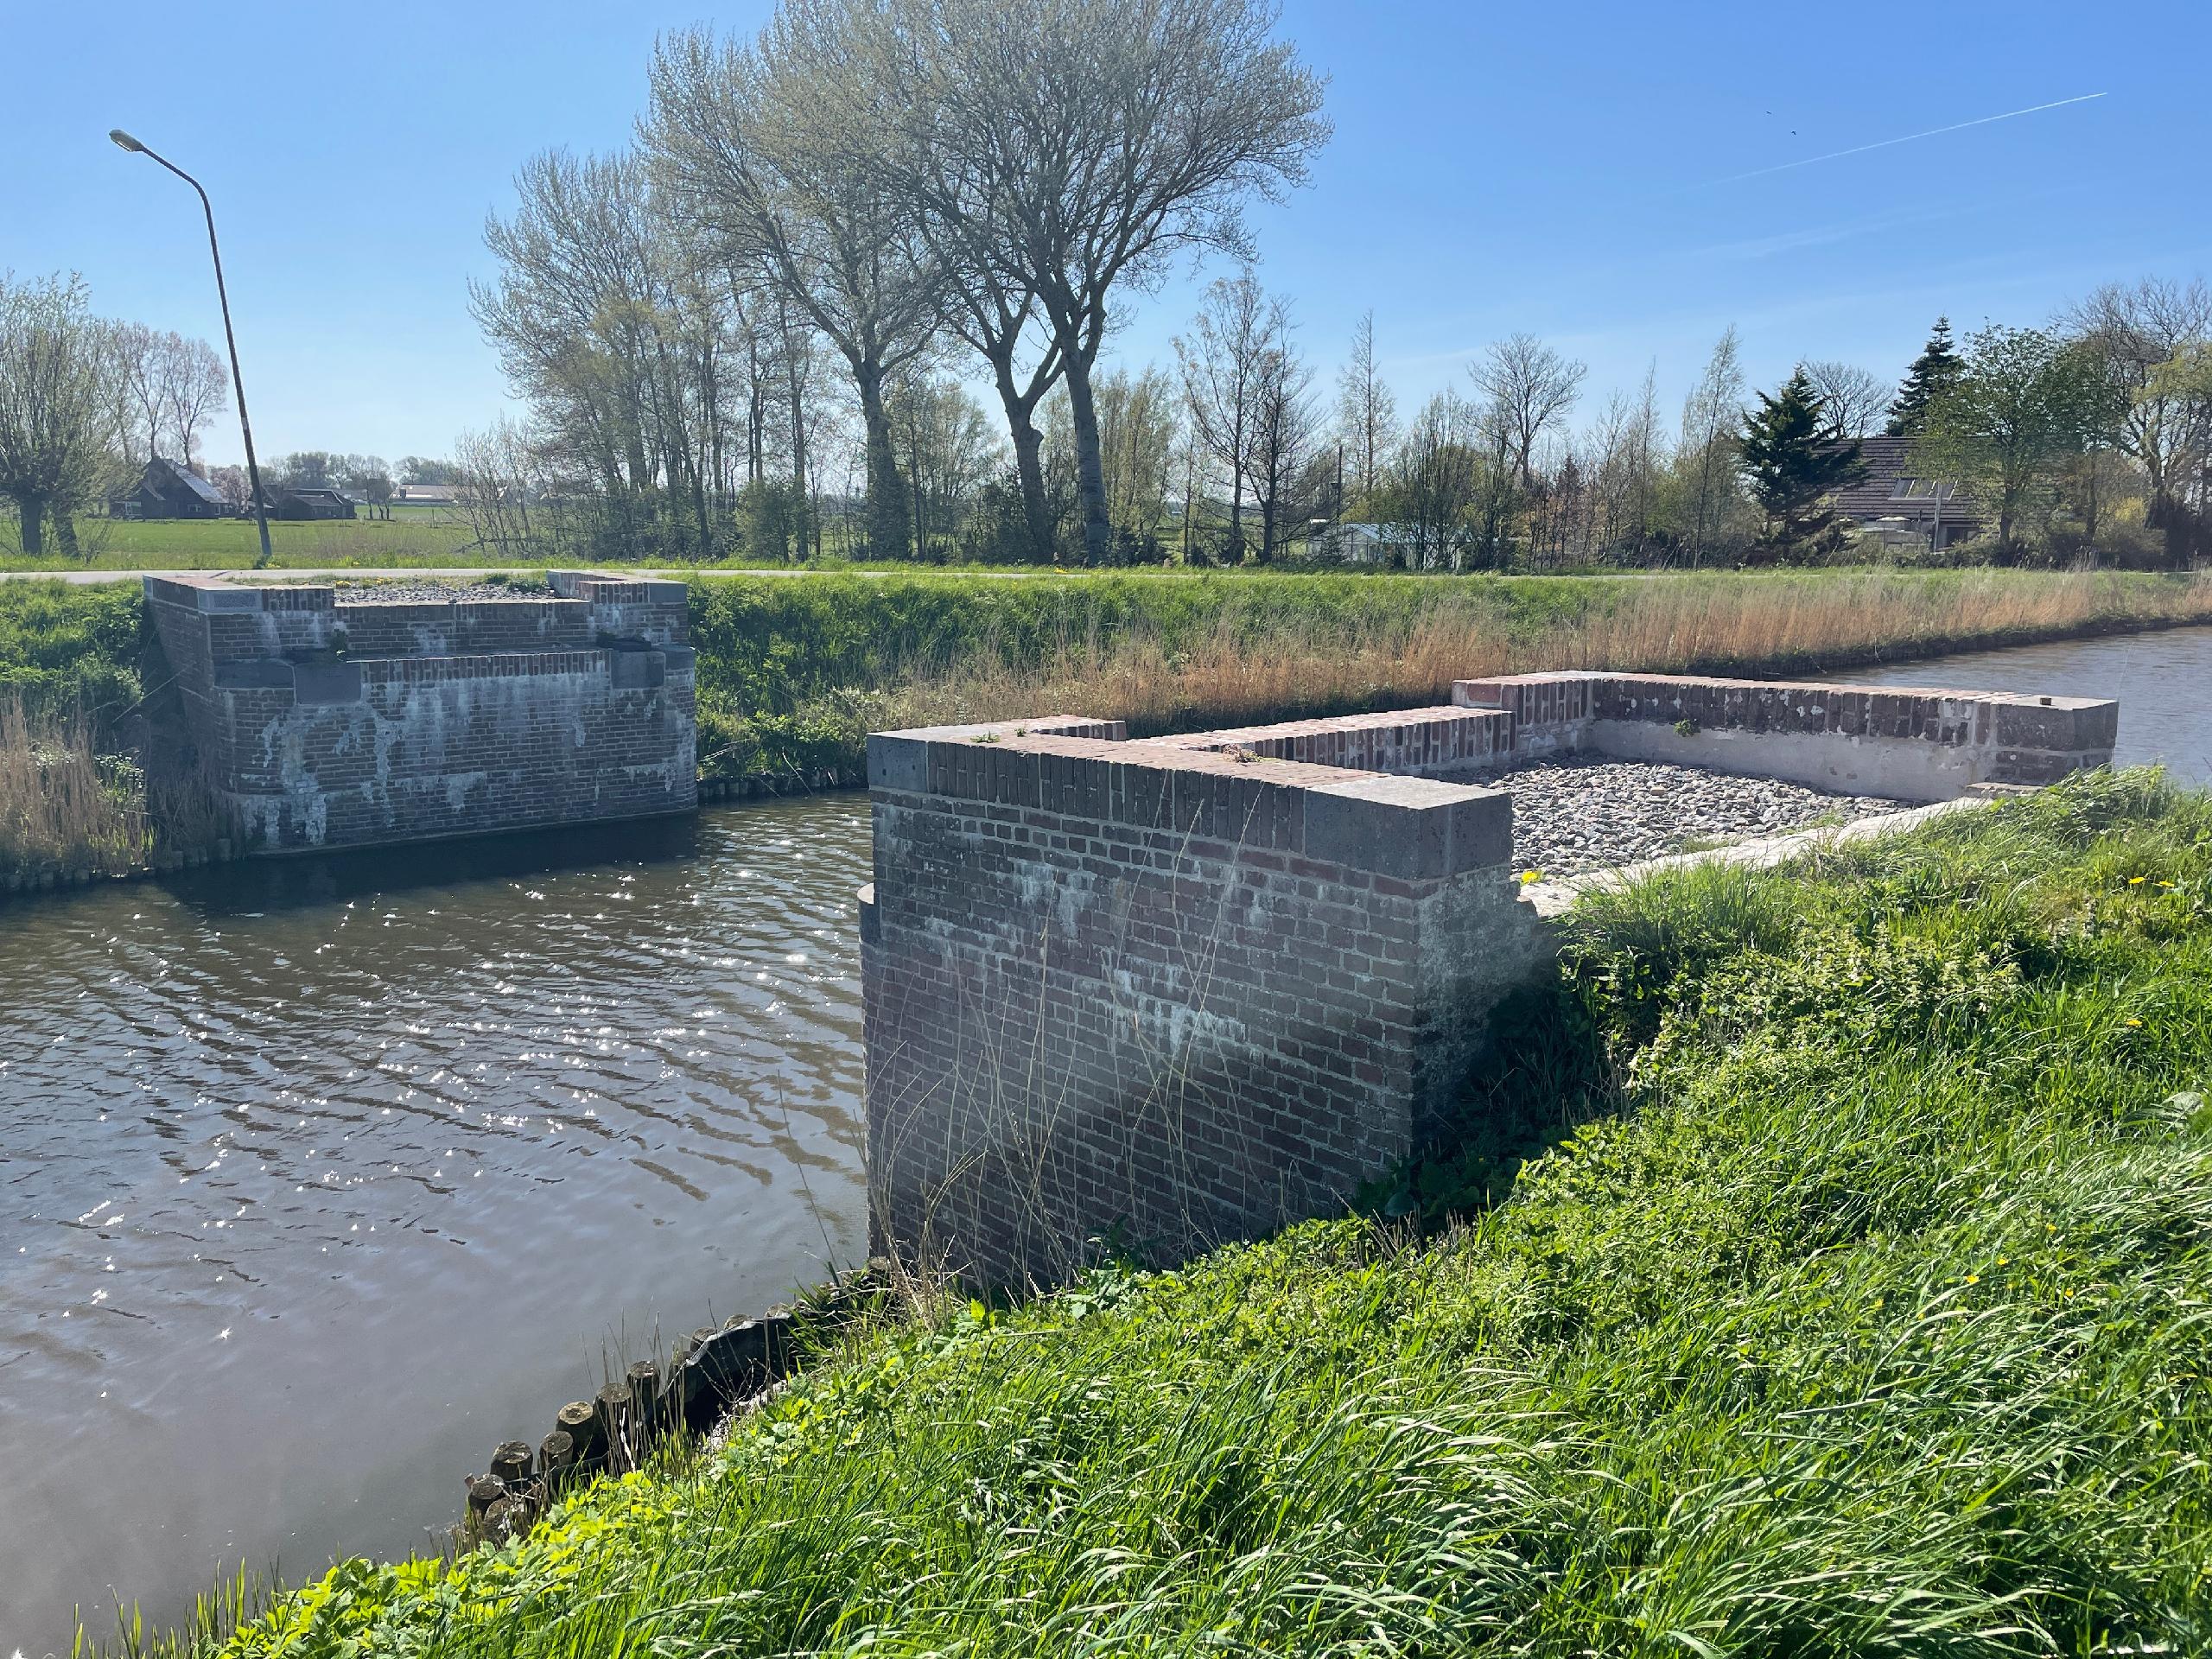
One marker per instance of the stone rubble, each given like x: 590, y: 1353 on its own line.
x: 1571, y: 815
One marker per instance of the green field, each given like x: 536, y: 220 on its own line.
x: 412, y: 536
x: 1826, y: 1274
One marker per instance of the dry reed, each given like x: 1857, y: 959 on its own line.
x: 1662, y: 625
x: 62, y: 807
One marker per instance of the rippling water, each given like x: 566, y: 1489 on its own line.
x: 318, y: 1179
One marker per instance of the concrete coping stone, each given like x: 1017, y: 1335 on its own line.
x: 1818, y: 688
x: 206, y: 593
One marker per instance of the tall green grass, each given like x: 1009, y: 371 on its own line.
x: 1859, y: 1305
x: 67, y: 649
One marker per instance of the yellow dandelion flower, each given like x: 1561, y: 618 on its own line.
x: 1973, y: 1278
x: 2135, y: 880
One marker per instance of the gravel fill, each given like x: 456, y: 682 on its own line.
x: 415, y: 591
x: 1571, y: 815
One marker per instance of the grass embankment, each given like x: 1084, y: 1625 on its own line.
x: 792, y: 675
x: 1865, y: 1307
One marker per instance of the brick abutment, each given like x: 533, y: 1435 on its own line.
x: 320, y: 723
x: 1169, y: 992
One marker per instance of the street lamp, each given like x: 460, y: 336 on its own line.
x: 125, y: 142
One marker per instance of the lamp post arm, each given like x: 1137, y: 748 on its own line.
x: 238, y: 379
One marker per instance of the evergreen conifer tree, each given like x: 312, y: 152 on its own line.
x: 1791, y: 468
x: 1934, y: 372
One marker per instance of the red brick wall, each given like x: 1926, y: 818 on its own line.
x: 1137, y: 989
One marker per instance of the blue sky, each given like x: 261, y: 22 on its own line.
x: 1574, y: 170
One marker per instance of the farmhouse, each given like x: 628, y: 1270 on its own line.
x: 311, y: 501
x: 1891, y: 497
x: 165, y: 490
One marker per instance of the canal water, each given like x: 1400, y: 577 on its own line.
x: 320, y: 1179
x: 2164, y: 681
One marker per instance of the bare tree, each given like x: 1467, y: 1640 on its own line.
x: 582, y: 314
x: 1138, y: 429
x: 1711, y: 414
x: 752, y: 140
x: 1854, y: 402
x: 61, y: 403
x: 1283, y: 434
x: 495, y: 476
x: 1085, y: 145
x: 948, y: 454
x: 1223, y: 362
x: 141, y: 374
x: 2140, y: 331
x: 1433, y: 486
x: 1628, y: 446
x: 1528, y: 387
x: 1367, y: 413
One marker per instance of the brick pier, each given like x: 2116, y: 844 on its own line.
x: 319, y: 721
x: 1184, y: 989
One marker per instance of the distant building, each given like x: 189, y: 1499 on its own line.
x: 425, y: 495
x: 166, y: 490
x: 1357, y: 542
x: 1892, y: 498
x: 311, y: 501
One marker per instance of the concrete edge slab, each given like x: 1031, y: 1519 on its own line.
x: 1551, y: 898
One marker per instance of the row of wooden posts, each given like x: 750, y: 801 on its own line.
x: 712, y: 1371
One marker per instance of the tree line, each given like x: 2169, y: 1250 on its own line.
x: 85, y: 402
x: 871, y: 194
x: 755, y: 332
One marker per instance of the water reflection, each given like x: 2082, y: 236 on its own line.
x: 319, y: 1178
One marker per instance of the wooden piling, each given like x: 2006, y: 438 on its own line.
x: 557, y: 1457
x: 613, y: 1417
x: 511, y: 1465
x: 644, y: 1378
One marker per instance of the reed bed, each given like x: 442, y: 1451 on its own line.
x: 64, y: 807
x: 796, y: 678
x: 1849, y: 1292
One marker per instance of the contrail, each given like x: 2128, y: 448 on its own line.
x: 1860, y: 149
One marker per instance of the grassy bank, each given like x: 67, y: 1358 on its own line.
x: 794, y: 674
x: 1859, y: 1305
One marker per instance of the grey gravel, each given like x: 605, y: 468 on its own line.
x: 415, y: 591
x: 1570, y: 816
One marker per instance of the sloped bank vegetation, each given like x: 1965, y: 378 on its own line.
x: 1832, y: 1280
x: 793, y: 673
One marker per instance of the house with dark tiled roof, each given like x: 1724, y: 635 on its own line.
x: 1893, y: 497
x: 166, y: 490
